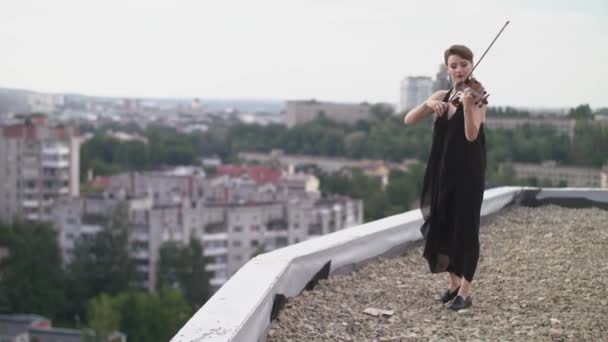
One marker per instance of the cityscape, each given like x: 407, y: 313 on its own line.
x: 237, y: 210
x: 122, y: 215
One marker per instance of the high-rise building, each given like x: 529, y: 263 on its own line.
x: 414, y: 91
x: 39, y: 162
x: 442, y: 79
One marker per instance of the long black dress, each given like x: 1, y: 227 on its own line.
x: 452, y: 193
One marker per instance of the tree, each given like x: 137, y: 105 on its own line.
x: 103, y: 318
x: 590, y: 144
x: 170, y: 265
x: 141, y: 316
x: 581, y: 112
x: 195, y: 280
x: 382, y: 111
x: 102, y: 263
x: 31, y: 276
x: 601, y: 111
x: 184, y: 268
x: 506, y: 174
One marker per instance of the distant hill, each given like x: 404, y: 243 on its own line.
x: 272, y: 106
x: 15, y: 100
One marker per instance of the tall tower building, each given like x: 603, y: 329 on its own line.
x: 442, y: 79
x: 414, y: 91
x: 39, y: 162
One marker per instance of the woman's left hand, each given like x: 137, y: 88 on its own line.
x: 468, y: 100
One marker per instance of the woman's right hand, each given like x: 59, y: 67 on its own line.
x: 439, y: 107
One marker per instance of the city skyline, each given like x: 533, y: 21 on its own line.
x: 549, y: 56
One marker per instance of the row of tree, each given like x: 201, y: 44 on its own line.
x: 101, y: 287
x: 384, y: 137
x: 396, y: 197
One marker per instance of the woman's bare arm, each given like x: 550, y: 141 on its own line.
x: 473, y: 117
x: 424, y: 109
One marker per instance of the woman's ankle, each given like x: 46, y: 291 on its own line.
x: 465, y: 290
x: 464, y: 294
x: 453, y: 286
x: 453, y: 283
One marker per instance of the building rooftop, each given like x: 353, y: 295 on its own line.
x: 22, y: 318
x: 259, y: 174
x: 542, y: 275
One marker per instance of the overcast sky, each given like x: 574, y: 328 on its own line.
x: 553, y: 54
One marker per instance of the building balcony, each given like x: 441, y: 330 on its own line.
x: 140, y: 236
x: 90, y: 229
x: 30, y: 203
x: 56, y: 151
x: 215, y: 237
x: 57, y: 164
x: 56, y: 176
x: 56, y: 191
x: 141, y: 255
x: 215, y: 251
x: 217, y: 281
x: 216, y: 267
x: 32, y: 216
x: 30, y: 191
x: 275, y: 234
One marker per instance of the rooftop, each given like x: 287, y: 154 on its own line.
x: 542, y: 274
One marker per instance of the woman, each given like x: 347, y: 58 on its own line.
x: 454, y: 179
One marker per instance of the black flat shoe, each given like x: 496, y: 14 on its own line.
x: 461, y: 303
x: 447, y: 296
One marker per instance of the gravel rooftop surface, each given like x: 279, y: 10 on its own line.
x: 542, y: 276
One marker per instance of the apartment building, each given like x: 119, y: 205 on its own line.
x: 571, y: 175
x: 39, y: 162
x: 562, y: 125
x: 414, y: 91
x: 299, y: 112
x: 234, y: 217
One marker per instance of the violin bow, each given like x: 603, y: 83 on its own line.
x: 482, y: 56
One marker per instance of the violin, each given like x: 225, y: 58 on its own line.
x: 477, y: 90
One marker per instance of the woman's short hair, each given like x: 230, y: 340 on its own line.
x: 459, y: 50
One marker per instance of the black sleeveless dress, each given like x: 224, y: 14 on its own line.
x: 452, y: 193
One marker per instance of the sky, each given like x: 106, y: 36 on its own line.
x: 554, y: 53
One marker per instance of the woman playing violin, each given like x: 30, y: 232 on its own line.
x: 454, y: 179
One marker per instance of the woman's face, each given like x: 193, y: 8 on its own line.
x: 458, y: 68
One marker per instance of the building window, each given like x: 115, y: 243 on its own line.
x: 236, y: 243
x: 237, y: 229
x: 254, y: 243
